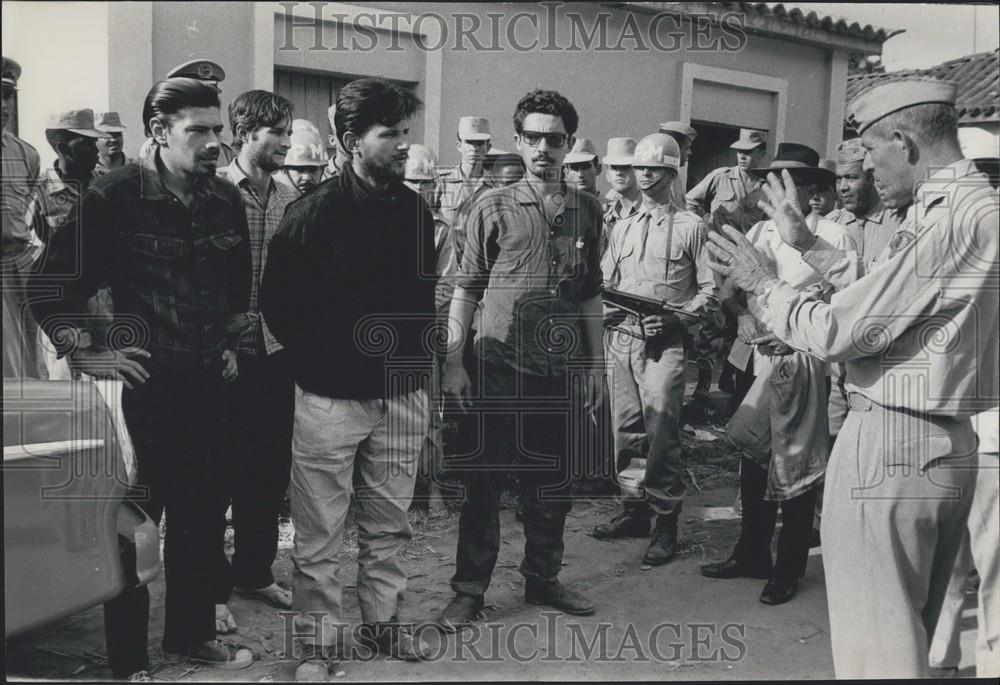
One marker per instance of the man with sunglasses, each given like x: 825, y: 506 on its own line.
x: 532, y: 257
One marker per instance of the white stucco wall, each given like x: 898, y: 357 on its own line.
x: 62, y: 48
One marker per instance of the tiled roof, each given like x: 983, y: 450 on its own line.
x: 977, y: 77
x: 827, y: 23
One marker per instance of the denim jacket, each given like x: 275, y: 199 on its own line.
x: 177, y: 273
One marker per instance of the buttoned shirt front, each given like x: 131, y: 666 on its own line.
x: 871, y: 232
x: 614, y: 211
x: 659, y: 253
x: 533, y: 274
x: 177, y: 272
x: 20, y: 167
x: 918, y: 332
x: 263, y: 219
x: 53, y: 203
x: 454, y: 189
x: 727, y: 195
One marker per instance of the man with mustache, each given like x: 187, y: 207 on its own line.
x: 656, y: 253
x: 531, y: 256
x: 110, y: 149
x: 918, y: 335
x: 171, y: 241
x: 262, y: 397
x: 349, y: 292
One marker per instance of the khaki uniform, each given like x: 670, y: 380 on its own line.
x: 918, y: 336
x: 727, y: 195
x: 454, y: 189
x: 614, y: 211
x: 21, y: 166
x: 654, y: 254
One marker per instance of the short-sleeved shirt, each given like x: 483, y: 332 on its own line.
x: 533, y: 275
x: 614, y: 211
x: 454, y: 188
x: 659, y: 254
x: 727, y: 195
x: 21, y: 170
x: 870, y: 233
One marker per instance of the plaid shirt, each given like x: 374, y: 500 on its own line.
x: 263, y: 220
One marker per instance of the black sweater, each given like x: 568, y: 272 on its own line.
x: 348, y: 289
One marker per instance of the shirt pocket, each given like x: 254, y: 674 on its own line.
x: 155, y: 246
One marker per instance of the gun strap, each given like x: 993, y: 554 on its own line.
x: 670, y: 239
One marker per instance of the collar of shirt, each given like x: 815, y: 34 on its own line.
x: 937, y: 186
x: 527, y: 195
x: 52, y: 180
x: 151, y: 181
x: 6, y: 137
x: 360, y: 191
x: 239, y: 179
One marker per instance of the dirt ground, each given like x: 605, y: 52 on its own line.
x: 666, y: 623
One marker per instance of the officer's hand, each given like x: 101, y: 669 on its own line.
x: 116, y: 364
x: 455, y: 384
x: 782, y: 205
x: 231, y: 369
x: 736, y: 257
x: 747, y: 328
x: 772, y: 344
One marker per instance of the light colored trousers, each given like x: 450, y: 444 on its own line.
x: 370, y: 448
x: 980, y: 551
x: 898, y: 493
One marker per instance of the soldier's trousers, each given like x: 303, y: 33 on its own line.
x: 898, y: 491
x: 525, y: 422
x: 979, y: 552
x: 647, y: 392
x: 370, y: 447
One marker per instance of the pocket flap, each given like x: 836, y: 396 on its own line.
x: 156, y: 246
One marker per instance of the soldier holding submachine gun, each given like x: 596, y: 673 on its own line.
x: 657, y: 277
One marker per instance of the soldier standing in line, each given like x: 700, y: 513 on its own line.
x: 656, y: 253
x: 582, y: 167
x: 21, y: 170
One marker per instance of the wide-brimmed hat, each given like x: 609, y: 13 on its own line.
x: 109, y: 122
x: 620, y: 151
x: 78, y: 121
x: 749, y: 139
x: 582, y: 152
x: 801, y: 161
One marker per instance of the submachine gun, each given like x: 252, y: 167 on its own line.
x: 641, y: 307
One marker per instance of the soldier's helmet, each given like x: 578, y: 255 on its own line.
x: 657, y: 150
x: 421, y: 164
x: 306, y: 149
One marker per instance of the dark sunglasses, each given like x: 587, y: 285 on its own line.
x: 533, y: 138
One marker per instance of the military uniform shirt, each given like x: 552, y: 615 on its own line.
x: 871, y: 233
x: 637, y: 261
x: 918, y: 332
x: 21, y: 167
x: 729, y: 195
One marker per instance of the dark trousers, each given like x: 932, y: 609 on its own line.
x: 525, y: 421
x: 177, y: 424
x: 126, y: 622
x: 261, y: 410
x: 759, y: 516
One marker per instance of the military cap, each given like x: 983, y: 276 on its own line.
x: 680, y: 128
x: 850, y: 151
x: 879, y: 101
x: 200, y: 69
x: 583, y: 151
x: 474, y: 128
x: 11, y: 72
x: 109, y: 122
x: 749, y: 139
x: 79, y: 121
x: 620, y: 151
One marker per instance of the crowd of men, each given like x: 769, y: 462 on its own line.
x: 308, y: 320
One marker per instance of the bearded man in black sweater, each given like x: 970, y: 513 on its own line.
x: 349, y: 291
